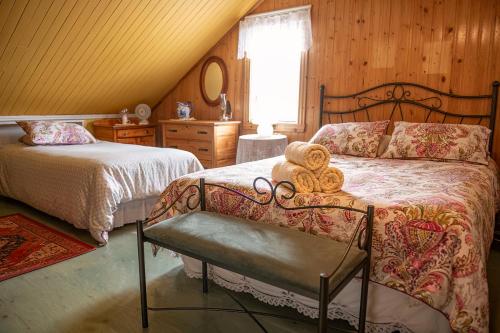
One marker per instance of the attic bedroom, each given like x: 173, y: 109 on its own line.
x: 250, y: 166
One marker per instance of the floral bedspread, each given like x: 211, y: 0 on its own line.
x: 433, y: 224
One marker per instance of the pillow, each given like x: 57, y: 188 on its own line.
x: 439, y: 142
x: 55, y: 133
x: 357, y: 139
x: 384, y: 143
x: 26, y: 140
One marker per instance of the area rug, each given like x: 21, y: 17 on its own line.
x: 27, y: 245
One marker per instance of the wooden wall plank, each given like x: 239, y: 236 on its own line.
x: 98, y: 56
x: 452, y: 45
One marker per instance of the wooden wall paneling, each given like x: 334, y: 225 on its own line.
x: 17, y: 80
x: 91, y: 56
x: 432, y: 48
x: 15, y: 14
x: 22, y: 23
x: 496, y: 74
x: 470, y: 61
x: 11, y: 56
x: 27, y: 81
x: 140, y: 49
x: 63, y: 26
x: 99, y: 59
x: 485, y: 52
x: 451, y: 45
x: 54, y: 59
x: 73, y: 61
x: 183, y: 44
x: 400, y: 42
x: 109, y: 56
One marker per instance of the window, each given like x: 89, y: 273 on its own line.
x: 275, y: 45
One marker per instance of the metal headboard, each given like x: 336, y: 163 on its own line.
x: 401, y: 93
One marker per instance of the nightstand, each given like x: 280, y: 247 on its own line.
x: 113, y: 130
x: 212, y: 142
x: 253, y: 147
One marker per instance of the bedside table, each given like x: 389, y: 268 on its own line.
x: 253, y: 147
x: 113, y: 130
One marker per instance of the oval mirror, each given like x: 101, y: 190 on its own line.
x: 213, y: 80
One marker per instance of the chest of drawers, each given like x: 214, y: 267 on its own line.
x: 212, y: 142
x: 113, y: 130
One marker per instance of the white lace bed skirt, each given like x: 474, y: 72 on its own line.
x: 388, y: 309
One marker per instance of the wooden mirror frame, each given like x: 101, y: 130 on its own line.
x: 204, y: 68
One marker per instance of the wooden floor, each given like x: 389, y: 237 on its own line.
x: 98, y: 292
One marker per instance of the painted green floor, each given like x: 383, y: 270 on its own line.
x: 98, y: 292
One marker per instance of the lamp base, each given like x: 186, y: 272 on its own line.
x: 265, y: 129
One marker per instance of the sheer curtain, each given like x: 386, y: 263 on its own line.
x: 274, y: 43
x: 271, y: 32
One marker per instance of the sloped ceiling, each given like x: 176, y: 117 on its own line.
x: 98, y: 56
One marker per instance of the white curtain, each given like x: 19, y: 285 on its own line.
x: 275, y: 31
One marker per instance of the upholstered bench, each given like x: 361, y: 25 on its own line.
x: 312, y: 266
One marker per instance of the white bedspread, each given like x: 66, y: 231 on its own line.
x: 84, y: 184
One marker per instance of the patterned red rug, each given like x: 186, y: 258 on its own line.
x: 26, y: 245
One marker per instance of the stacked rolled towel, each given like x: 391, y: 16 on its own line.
x: 330, y: 179
x: 306, y: 167
x: 303, y: 179
x: 309, y: 155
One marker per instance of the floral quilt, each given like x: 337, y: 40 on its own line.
x: 432, y: 231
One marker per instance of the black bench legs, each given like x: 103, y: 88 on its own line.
x: 326, y: 295
x: 324, y: 300
x: 364, y: 296
x: 204, y: 273
x: 142, y: 275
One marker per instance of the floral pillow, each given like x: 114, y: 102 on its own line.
x: 357, y: 139
x: 439, y: 142
x: 55, y: 133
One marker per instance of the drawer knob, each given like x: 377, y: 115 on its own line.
x: 202, y: 132
x: 203, y: 149
x: 172, y: 130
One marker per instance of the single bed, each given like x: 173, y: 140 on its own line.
x: 432, y: 231
x: 97, y: 186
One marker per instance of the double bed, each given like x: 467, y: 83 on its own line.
x: 433, y: 225
x: 97, y: 186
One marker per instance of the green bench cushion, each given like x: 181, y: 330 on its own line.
x: 280, y: 256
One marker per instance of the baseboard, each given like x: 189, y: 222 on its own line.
x: 11, y: 120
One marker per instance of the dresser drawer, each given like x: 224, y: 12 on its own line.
x: 212, y: 142
x: 131, y: 141
x: 178, y: 144
x: 201, y: 149
x: 146, y: 141
x: 178, y: 131
x: 131, y: 133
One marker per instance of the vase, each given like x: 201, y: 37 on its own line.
x: 184, y: 110
x: 225, y: 108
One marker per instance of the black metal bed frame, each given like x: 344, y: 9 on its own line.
x: 363, y: 234
x: 400, y: 93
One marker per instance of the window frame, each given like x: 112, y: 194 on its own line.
x: 300, y: 126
